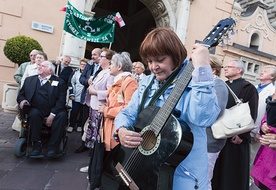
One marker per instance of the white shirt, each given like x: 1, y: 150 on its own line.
x: 31, y: 70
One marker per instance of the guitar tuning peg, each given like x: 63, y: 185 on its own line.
x: 233, y: 31
x: 228, y: 37
x: 223, y: 43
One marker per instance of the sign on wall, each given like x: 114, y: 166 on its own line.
x: 42, y: 27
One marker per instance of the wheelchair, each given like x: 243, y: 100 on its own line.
x: 23, y: 144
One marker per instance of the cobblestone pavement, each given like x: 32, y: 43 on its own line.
x: 41, y: 174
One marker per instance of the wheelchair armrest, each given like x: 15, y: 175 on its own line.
x: 26, y: 108
x: 23, y: 114
x: 67, y: 107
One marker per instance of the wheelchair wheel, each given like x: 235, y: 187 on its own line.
x: 20, y: 147
x: 62, y: 146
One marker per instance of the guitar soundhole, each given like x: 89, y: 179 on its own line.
x: 149, y: 140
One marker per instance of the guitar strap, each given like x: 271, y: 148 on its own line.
x: 160, y: 91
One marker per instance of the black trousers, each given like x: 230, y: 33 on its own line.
x: 263, y: 187
x: 85, y: 114
x: 36, y: 119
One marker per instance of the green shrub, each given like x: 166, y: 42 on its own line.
x: 18, y: 48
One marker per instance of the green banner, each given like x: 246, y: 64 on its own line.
x: 98, y: 30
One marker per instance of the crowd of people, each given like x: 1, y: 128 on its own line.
x: 109, y: 91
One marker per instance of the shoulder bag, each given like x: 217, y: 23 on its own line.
x: 234, y: 121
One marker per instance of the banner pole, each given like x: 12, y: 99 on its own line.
x: 110, y: 44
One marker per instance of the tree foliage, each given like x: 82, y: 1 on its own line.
x: 17, y: 49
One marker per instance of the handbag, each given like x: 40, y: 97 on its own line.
x: 95, y: 168
x: 234, y: 121
x: 85, y: 127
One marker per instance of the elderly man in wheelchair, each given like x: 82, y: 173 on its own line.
x: 44, y: 96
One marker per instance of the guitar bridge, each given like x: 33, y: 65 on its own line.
x: 126, y: 177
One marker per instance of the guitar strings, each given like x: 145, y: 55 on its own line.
x: 136, y: 156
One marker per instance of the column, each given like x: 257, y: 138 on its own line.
x: 70, y: 45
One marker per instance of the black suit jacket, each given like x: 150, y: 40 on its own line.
x: 57, y: 93
x: 65, y: 73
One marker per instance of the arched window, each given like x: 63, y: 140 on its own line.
x: 255, y: 41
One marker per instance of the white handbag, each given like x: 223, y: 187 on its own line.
x: 234, y: 121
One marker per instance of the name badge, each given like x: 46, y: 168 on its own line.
x: 54, y: 83
x: 120, y: 98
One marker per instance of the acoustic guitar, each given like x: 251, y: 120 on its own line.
x: 164, y: 142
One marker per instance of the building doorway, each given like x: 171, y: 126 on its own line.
x: 139, y: 21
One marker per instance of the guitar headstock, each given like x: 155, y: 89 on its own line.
x: 222, y: 28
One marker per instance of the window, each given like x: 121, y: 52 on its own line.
x: 252, y: 70
x: 255, y: 41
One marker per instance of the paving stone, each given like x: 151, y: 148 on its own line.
x: 68, y: 180
x: 41, y: 174
x: 26, y: 179
x: 35, y: 174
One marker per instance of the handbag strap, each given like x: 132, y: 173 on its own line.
x: 237, y: 100
x: 101, y: 129
x: 121, y: 89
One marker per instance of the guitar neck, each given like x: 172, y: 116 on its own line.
x: 211, y: 40
x: 167, y: 108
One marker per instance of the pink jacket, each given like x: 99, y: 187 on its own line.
x: 264, y: 169
x: 101, y: 83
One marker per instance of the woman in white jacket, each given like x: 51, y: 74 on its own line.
x: 75, y: 89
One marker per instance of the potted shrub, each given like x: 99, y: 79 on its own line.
x: 17, y: 50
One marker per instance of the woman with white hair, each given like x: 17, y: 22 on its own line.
x: 118, y: 95
x: 139, y: 71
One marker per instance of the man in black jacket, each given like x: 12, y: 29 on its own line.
x: 46, y: 93
x: 232, y: 166
x: 63, y: 70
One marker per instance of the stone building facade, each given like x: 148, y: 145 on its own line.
x: 254, y: 41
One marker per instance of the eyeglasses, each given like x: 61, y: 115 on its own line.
x: 229, y: 67
x: 101, y: 56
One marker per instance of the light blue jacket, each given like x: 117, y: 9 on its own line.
x: 199, y: 109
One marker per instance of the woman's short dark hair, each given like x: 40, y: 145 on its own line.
x: 43, y: 54
x: 108, y: 53
x: 163, y: 41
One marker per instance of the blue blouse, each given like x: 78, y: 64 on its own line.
x: 198, y: 107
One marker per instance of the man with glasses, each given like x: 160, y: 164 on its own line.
x: 232, y: 166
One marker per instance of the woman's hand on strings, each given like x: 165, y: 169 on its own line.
x: 129, y: 139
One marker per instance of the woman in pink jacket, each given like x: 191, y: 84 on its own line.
x: 264, y: 170
x: 96, y: 96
